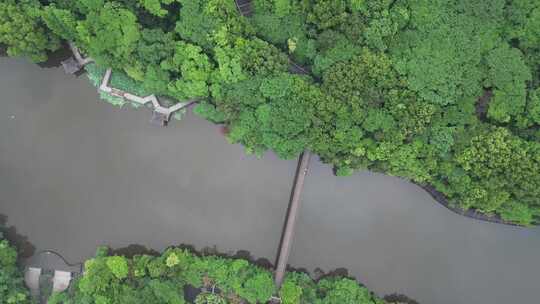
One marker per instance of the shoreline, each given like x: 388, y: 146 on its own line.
x: 440, y: 198
x: 64, y: 52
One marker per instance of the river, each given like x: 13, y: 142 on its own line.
x: 76, y: 173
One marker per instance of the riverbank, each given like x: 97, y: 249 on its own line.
x: 303, y: 283
x: 115, y: 99
x: 212, y: 274
x: 471, y: 213
x: 77, y: 173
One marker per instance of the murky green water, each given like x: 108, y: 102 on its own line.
x: 76, y: 173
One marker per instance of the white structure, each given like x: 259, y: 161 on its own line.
x: 161, y: 115
x: 61, y: 280
x: 31, y: 278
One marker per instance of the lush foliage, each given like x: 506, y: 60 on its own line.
x: 12, y: 289
x: 22, y: 30
x: 162, y: 279
x: 413, y: 88
x: 300, y: 288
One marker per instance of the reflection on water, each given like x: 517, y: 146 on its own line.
x: 25, y: 249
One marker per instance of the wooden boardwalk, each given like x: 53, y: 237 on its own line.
x: 295, y: 68
x: 161, y: 114
x: 244, y: 7
x: 292, y: 215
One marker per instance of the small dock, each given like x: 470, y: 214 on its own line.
x: 75, y: 63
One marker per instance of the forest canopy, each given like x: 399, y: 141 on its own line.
x: 12, y: 288
x: 114, y: 279
x: 443, y: 93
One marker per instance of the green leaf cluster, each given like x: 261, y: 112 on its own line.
x: 161, y: 279
x: 23, y: 31
x: 12, y: 288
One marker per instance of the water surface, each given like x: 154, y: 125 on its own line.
x: 76, y: 173
x: 394, y: 237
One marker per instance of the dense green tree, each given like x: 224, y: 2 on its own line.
x: 344, y: 291
x: 441, y: 50
x: 109, y: 34
x: 210, y: 298
x: 201, y: 19
x: 62, y: 22
x: 223, y: 280
x: 12, y: 289
x: 23, y: 32
x: 508, y: 76
x: 193, y: 70
x: 523, y: 18
x: 270, y: 113
x: 298, y: 288
x: 155, y: 7
x: 502, y: 173
x: 118, y: 266
x: 533, y: 106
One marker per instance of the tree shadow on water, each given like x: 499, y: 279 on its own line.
x: 23, y: 245
x: 134, y: 249
x: 55, y: 58
x: 319, y: 274
x: 399, y: 299
x: 246, y: 255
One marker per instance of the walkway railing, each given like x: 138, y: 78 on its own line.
x: 161, y: 114
x: 244, y: 7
